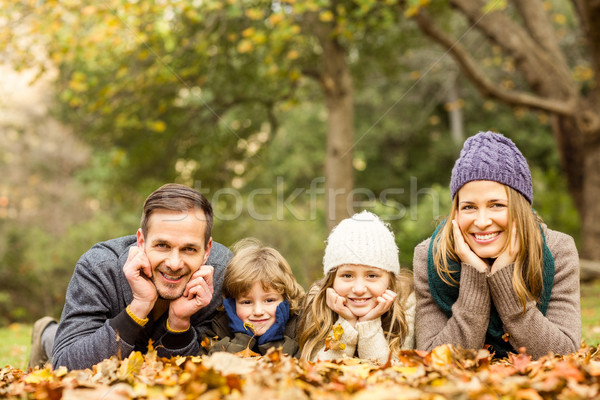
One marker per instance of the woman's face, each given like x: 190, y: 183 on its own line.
x: 360, y: 285
x: 482, y: 216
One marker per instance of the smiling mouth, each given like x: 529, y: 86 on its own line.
x: 259, y: 321
x: 360, y: 301
x: 171, y: 278
x: 487, y: 236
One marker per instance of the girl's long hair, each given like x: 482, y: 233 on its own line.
x: 527, y: 279
x: 317, y: 318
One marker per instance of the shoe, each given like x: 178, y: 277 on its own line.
x: 38, y: 356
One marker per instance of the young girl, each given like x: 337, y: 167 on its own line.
x: 363, y: 306
x: 493, y: 273
x: 261, y: 302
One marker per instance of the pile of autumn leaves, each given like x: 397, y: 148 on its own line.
x: 445, y: 372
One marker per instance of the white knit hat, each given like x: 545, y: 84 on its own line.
x: 362, y: 239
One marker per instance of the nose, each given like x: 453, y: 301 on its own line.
x: 359, y: 287
x: 174, y: 260
x: 258, y: 308
x: 483, y: 219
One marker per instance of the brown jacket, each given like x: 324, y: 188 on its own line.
x: 231, y: 342
x: 558, y: 331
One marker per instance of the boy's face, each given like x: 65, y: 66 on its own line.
x: 258, y: 307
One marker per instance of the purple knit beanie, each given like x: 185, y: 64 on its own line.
x: 490, y: 156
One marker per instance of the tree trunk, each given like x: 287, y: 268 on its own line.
x: 336, y: 81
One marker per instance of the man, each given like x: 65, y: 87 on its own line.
x: 162, y: 284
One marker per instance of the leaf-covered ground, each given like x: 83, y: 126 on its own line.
x: 446, y: 372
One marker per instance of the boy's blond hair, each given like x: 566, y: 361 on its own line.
x: 252, y: 262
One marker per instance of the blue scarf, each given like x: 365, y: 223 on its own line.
x: 445, y: 295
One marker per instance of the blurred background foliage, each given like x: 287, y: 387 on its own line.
x: 219, y: 95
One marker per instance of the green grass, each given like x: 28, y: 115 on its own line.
x: 15, y: 340
x: 590, y: 313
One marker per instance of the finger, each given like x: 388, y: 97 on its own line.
x: 145, y: 264
x: 195, y: 285
x: 206, y: 272
x: 458, y: 236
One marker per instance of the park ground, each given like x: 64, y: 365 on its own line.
x: 15, y: 339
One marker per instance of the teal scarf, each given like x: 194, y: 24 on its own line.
x: 445, y: 295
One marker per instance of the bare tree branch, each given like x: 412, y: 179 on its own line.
x: 545, y: 77
x: 485, y: 86
x: 536, y: 20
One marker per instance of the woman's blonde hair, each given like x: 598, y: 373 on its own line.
x: 252, y: 262
x: 317, y: 318
x: 527, y: 277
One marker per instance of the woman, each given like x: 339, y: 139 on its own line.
x: 492, y: 273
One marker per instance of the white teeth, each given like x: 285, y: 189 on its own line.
x: 359, y: 300
x: 171, y: 277
x: 486, y: 237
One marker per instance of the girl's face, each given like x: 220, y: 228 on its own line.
x: 482, y: 216
x: 258, y: 307
x: 360, y: 285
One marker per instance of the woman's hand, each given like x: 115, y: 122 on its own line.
x: 384, y: 301
x: 464, y: 252
x: 509, y: 255
x: 338, y: 304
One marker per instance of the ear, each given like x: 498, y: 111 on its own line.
x: 140, y: 238
x: 207, y: 249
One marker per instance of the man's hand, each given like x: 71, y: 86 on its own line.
x: 138, y: 271
x: 198, y: 294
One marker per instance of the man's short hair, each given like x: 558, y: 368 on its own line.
x: 176, y: 197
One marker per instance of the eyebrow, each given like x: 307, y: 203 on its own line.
x: 163, y: 241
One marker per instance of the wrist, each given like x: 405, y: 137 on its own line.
x: 140, y: 309
x: 176, y: 324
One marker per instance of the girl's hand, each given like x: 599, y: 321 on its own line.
x: 338, y: 304
x: 464, y: 252
x: 509, y: 255
x: 385, y: 302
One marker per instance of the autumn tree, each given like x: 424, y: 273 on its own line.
x: 554, y: 51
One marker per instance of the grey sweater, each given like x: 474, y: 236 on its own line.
x: 94, y: 324
x: 558, y: 331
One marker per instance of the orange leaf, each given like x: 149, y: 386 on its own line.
x: 246, y: 353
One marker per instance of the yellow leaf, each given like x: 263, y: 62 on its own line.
x: 441, y: 356
x: 41, y: 375
x: 158, y: 126
x: 560, y: 19
x: 131, y: 365
x: 293, y: 54
x: 255, y: 13
x: 326, y: 16
x: 245, y: 46
x: 274, y: 19
x: 248, y: 32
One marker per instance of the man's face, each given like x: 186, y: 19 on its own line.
x: 174, y: 245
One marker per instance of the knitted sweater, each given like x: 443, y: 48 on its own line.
x: 94, y: 324
x: 367, y: 339
x: 236, y: 342
x: 558, y: 331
